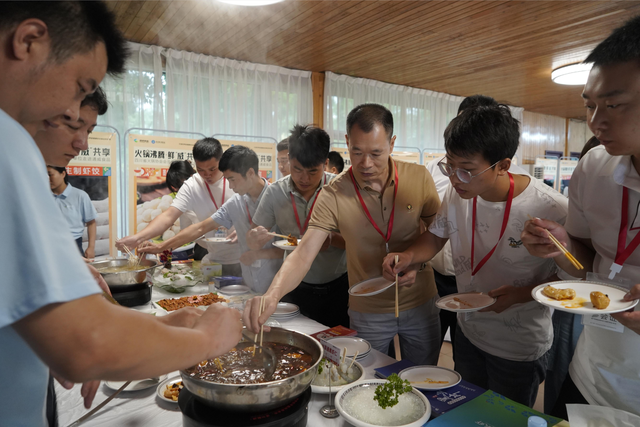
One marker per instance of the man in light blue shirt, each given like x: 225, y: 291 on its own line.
x: 239, y: 166
x: 52, y: 315
x: 76, y: 207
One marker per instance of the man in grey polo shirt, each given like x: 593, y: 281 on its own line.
x: 288, y: 203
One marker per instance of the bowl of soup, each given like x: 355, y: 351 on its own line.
x: 119, y: 272
x: 235, y: 381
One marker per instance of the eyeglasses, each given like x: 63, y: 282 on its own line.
x: 462, y: 174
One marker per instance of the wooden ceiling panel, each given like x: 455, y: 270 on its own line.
x: 505, y: 49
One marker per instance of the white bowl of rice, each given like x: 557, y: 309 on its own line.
x: 356, y: 404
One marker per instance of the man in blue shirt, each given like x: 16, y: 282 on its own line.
x: 52, y: 315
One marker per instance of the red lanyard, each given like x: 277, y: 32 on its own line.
x: 248, y: 214
x: 224, y: 188
x: 366, y: 211
x: 505, y: 219
x: 623, y: 253
x: 295, y: 209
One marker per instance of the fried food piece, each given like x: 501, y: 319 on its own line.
x: 559, y: 294
x: 190, y: 301
x: 599, y: 300
x: 172, y: 391
x: 461, y: 301
x: 292, y: 241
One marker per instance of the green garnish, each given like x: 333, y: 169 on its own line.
x: 322, y: 362
x: 387, y: 394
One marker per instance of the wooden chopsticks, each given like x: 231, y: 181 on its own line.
x: 277, y: 235
x: 397, y: 276
x: 564, y: 250
x: 261, y: 327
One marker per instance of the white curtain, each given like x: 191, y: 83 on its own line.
x: 579, y: 134
x: 136, y: 99
x: 221, y: 96
x: 420, y: 116
x: 540, y: 132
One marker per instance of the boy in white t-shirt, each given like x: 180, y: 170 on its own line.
x: 605, y: 369
x: 504, y: 346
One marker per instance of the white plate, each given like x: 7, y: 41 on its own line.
x: 135, y: 385
x: 424, y: 377
x: 185, y: 247
x: 320, y: 389
x: 581, y: 304
x: 352, y: 344
x: 286, y: 309
x: 370, y: 287
x: 282, y: 244
x: 216, y: 240
x: 474, y: 301
x: 163, y: 386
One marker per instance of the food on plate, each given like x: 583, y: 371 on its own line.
x: 172, y: 391
x: 292, y: 241
x: 599, y: 300
x: 346, y: 373
x: 401, y: 406
x: 430, y: 381
x: 240, y: 366
x: 558, y: 294
x: 177, y: 278
x: 463, y: 302
x: 173, y: 304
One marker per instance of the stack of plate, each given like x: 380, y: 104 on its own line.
x: 285, y: 311
x: 352, y: 344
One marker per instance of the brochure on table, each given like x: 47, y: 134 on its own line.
x: 94, y: 171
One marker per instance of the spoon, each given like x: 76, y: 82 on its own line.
x: 268, y: 358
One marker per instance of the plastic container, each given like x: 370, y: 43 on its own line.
x: 222, y: 282
x: 535, y: 421
x: 209, y: 271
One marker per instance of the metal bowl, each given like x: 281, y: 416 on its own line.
x: 125, y: 278
x: 263, y: 396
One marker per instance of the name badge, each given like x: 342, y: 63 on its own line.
x: 604, y: 321
x: 257, y: 263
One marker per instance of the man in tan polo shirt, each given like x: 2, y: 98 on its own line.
x: 378, y: 207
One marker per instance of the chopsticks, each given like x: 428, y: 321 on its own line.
x: 397, y: 275
x: 132, y: 257
x: 564, y: 250
x: 110, y: 398
x: 278, y: 235
x: 261, y: 326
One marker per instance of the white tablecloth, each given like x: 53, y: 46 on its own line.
x: 143, y: 408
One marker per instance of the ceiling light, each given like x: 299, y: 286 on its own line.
x: 250, y: 2
x: 574, y: 74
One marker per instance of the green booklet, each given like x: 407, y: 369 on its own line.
x: 490, y: 409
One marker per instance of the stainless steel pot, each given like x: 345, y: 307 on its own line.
x: 125, y: 278
x: 264, y: 396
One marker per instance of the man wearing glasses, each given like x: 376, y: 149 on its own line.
x: 504, y: 345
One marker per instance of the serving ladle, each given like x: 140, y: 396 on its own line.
x: 268, y: 358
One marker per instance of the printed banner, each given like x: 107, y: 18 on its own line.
x: 407, y: 156
x: 550, y: 171
x: 266, y: 152
x: 428, y: 156
x: 94, y: 171
x: 567, y: 167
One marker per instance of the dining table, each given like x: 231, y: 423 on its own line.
x: 143, y: 408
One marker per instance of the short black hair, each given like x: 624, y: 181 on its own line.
x: 96, y: 100
x: 623, y: 45
x: 75, y: 27
x: 591, y: 143
x: 239, y: 159
x: 488, y: 129
x: 206, y: 149
x: 366, y: 116
x: 283, y: 145
x: 61, y: 170
x: 178, y: 173
x: 336, y: 161
x: 474, y: 101
x: 309, y: 145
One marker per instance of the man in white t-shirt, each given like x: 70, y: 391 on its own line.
x: 605, y: 186
x: 52, y: 314
x: 204, y: 193
x: 504, y: 346
x: 240, y: 167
